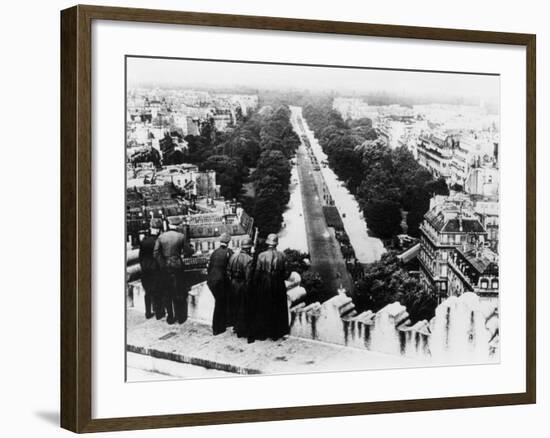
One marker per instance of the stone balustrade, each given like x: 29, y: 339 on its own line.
x: 464, y: 330
x: 200, y: 301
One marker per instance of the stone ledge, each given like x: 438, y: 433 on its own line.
x: 193, y: 343
x: 183, y: 358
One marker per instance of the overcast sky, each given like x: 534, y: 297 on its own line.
x: 211, y: 74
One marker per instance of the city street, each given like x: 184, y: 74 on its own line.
x: 293, y: 233
x: 324, y: 249
x: 367, y: 249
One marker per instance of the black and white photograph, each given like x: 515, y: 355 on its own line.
x: 267, y: 219
x: 296, y: 218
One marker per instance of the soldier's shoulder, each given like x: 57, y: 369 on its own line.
x: 245, y: 256
x: 220, y: 251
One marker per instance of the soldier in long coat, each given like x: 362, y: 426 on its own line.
x: 170, y: 247
x: 270, y: 299
x: 150, y: 274
x: 218, y: 283
x: 239, y: 271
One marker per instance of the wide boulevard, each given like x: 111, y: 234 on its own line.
x: 324, y: 249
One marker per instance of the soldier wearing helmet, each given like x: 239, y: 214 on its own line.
x: 150, y: 274
x: 239, y: 271
x: 270, y: 299
x: 218, y: 283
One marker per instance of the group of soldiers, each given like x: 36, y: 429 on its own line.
x: 162, y: 274
x: 249, y: 289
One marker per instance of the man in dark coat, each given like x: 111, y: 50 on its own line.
x: 219, y: 284
x: 150, y: 276
x: 239, y: 271
x: 270, y: 299
x: 170, y: 247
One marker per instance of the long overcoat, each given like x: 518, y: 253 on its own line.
x: 170, y: 248
x: 218, y: 283
x: 239, y: 271
x: 270, y: 298
x: 148, y: 264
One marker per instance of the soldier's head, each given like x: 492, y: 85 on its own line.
x: 272, y: 240
x: 155, y: 225
x: 246, y: 244
x: 225, y: 239
x: 174, y: 222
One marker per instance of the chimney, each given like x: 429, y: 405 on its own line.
x: 480, y: 249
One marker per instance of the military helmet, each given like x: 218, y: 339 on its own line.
x: 156, y: 223
x: 272, y: 239
x: 246, y: 243
x: 175, y: 220
x: 225, y: 238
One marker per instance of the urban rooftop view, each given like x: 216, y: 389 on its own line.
x: 380, y: 208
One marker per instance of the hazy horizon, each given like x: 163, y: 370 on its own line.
x: 231, y: 75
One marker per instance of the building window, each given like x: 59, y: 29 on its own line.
x: 494, y: 284
x: 484, y: 284
x: 457, y: 238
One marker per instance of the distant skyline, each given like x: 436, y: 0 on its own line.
x: 161, y: 72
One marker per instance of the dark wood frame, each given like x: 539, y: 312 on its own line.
x: 76, y: 177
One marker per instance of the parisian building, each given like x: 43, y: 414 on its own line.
x: 455, y: 251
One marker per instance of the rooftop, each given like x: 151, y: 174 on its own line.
x: 482, y: 259
x: 453, y: 216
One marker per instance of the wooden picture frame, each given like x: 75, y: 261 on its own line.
x: 76, y: 217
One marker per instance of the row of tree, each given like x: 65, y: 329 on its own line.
x: 386, y: 281
x: 386, y: 182
x: 263, y: 141
x: 278, y: 143
x: 389, y: 185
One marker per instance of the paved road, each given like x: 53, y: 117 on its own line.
x: 367, y: 249
x: 293, y: 233
x: 324, y: 249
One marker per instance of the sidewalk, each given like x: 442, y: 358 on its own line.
x: 193, y: 343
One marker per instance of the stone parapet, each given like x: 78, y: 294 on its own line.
x: 464, y: 330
